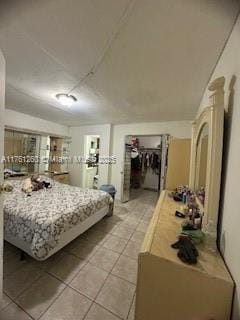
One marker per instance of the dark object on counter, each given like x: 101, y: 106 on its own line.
x: 188, y: 226
x: 196, y: 236
x: 187, y: 251
x: 177, y: 197
x: 180, y: 214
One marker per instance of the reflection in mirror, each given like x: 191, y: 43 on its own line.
x: 202, y: 156
x: 18, y: 146
x: 27, y: 153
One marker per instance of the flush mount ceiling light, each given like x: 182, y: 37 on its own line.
x: 66, y: 99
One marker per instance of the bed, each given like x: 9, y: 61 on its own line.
x: 43, y: 223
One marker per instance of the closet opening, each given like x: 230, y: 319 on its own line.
x: 145, y: 165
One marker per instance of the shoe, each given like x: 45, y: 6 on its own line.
x: 187, y: 251
x: 177, y: 197
x: 180, y: 214
x: 187, y: 225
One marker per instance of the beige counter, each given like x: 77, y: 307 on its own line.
x: 169, y: 289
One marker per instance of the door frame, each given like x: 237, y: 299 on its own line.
x: 85, y: 155
x: 123, y: 171
x: 123, y: 156
x: 2, y: 107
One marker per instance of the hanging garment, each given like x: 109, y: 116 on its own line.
x: 134, y: 153
x: 147, y: 160
x: 135, y: 180
x: 154, y: 161
x: 135, y: 163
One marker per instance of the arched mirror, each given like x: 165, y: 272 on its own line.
x: 206, y: 155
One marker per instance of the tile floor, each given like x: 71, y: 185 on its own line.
x: 93, y: 278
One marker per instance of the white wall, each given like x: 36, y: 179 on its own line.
x: 149, y: 141
x: 229, y: 67
x: 21, y: 121
x: 77, y: 149
x: 180, y: 129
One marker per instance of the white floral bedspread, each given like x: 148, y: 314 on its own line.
x: 41, y: 218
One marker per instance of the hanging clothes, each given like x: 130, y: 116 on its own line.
x: 156, y: 163
x: 147, y: 162
x: 135, y: 169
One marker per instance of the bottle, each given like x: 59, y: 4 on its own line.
x: 184, y: 197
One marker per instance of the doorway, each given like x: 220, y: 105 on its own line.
x: 145, y: 165
x: 91, y: 167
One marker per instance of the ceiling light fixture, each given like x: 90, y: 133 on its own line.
x: 66, y: 99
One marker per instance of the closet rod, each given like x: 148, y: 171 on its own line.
x: 142, y: 148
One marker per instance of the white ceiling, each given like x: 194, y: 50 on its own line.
x: 151, y: 59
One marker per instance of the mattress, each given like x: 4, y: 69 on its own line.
x: 40, y: 219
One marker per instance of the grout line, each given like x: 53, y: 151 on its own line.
x: 66, y: 283
x: 116, y: 315
x: 24, y: 311
x: 51, y: 303
x: 84, y: 317
x: 12, y: 300
x: 23, y: 290
x: 131, y: 304
x: 121, y: 278
x: 15, y: 298
x: 112, y: 274
x: 80, y: 292
x: 95, y: 301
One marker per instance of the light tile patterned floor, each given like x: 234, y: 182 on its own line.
x: 93, y: 278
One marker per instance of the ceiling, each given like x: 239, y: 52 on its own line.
x: 124, y: 60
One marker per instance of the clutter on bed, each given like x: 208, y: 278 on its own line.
x: 34, y: 183
x: 6, y: 187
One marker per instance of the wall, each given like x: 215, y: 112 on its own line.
x: 179, y: 153
x: 21, y: 121
x: 229, y: 66
x: 179, y: 129
x: 77, y: 149
x: 149, y: 141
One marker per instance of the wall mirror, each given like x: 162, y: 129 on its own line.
x: 206, y: 155
x: 21, y: 144
x: 18, y: 144
x: 202, y: 156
